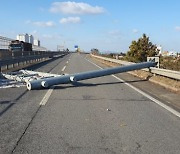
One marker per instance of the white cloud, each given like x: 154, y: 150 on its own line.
x: 177, y: 28
x: 54, y: 36
x: 68, y: 20
x: 44, y: 24
x: 75, y: 8
x: 46, y: 36
x: 135, y: 31
x: 115, y: 34
x: 41, y: 23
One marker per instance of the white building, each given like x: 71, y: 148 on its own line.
x: 31, y: 39
x: 23, y: 37
x: 37, y: 42
x: 28, y: 38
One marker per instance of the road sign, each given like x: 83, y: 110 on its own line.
x: 76, y: 46
x: 153, y: 59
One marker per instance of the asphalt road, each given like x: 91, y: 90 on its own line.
x: 102, y: 115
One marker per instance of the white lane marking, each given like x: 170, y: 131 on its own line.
x: 94, y: 64
x: 63, y: 68
x: 176, y: 113
x: 47, y: 96
x: 49, y: 92
x: 67, y: 62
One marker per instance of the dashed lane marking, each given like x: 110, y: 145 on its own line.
x: 47, y: 96
x: 49, y: 92
x: 63, y: 68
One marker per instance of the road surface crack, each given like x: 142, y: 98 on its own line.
x: 25, y: 129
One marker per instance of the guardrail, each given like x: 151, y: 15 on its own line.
x: 24, y: 60
x: 16, y: 61
x: 163, y: 72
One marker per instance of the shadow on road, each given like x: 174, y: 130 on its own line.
x: 81, y: 84
x: 11, y: 103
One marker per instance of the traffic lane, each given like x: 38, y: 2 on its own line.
x: 18, y: 107
x: 78, y: 63
x: 11, y: 95
x: 52, y: 66
x: 61, y: 68
x: 15, y: 120
x: 8, y: 96
x: 76, y: 120
x: 166, y: 96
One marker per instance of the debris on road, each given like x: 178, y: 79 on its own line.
x: 38, y: 80
x: 5, y: 83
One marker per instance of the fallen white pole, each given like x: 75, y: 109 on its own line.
x: 48, y: 82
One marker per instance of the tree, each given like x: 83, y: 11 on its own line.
x: 95, y: 51
x: 141, y: 49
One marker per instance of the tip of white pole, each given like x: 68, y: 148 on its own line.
x: 28, y: 84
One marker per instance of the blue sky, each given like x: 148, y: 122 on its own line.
x: 109, y: 25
